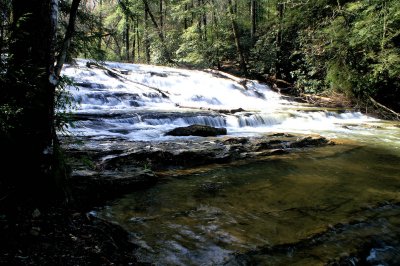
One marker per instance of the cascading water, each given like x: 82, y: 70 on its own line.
x: 146, y: 101
x: 337, y: 204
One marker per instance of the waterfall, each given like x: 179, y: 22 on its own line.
x: 144, y: 102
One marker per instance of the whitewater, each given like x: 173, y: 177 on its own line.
x: 143, y: 102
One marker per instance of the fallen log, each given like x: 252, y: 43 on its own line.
x: 379, y: 105
x: 115, y: 74
x: 222, y: 111
x: 221, y: 74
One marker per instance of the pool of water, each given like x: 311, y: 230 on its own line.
x: 334, y: 204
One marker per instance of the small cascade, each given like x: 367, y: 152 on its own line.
x: 259, y: 120
x: 146, y: 101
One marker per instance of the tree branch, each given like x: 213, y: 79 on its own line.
x: 384, y: 108
x: 147, y: 9
x: 113, y: 73
x: 68, y: 37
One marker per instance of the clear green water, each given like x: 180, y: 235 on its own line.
x: 309, y: 207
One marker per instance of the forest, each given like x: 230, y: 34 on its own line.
x: 317, y: 46
x: 307, y: 50
x: 350, y: 47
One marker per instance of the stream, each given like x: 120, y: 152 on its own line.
x: 333, y: 204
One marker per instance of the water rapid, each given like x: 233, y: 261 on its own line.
x: 144, y: 102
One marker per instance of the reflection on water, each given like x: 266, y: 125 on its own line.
x: 338, y: 204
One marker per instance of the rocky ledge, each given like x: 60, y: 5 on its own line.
x: 105, y: 168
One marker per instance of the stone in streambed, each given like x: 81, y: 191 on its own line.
x: 197, y: 130
x: 310, y: 141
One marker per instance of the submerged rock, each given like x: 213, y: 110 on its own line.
x: 197, y: 130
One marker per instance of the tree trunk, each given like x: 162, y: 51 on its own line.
x: 127, y: 36
x: 134, y: 41
x: 185, y: 20
x: 31, y: 163
x: 138, y: 39
x: 146, y: 37
x: 204, y: 15
x: 101, y: 24
x: 161, y: 16
x: 164, y: 51
x: 153, y: 19
x: 199, y: 21
x: 278, y: 65
x: 192, y: 13
x: 242, y: 61
x: 253, y: 15
x: 68, y: 37
x: 4, y: 13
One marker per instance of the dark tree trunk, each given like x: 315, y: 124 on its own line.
x: 153, y: 19
x: 164, y: 51
x: 5, y: 17
x: 101, y: 24
x: 161, y: 16
x: 138, y: 38
x: 199, y: 21
x: 146, y: 37
x: 31, y: 166
x: 68, y: 37
x: 134, y: 41
x: 253, y: 16
x: 192, y: 13
x: 185, y: 20
x: 242, y: 61
x: 278, y: 64
x: 204, y: 15
x: 127, y: 37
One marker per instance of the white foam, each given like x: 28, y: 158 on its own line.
x: 149, y: 100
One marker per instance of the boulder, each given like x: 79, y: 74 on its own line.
x: 197, y: 130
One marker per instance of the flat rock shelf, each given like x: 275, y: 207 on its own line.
x: 106, y: 168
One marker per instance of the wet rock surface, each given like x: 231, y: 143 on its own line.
x: 197, y: 130
x: 94, y: 186
x: 108, y: 167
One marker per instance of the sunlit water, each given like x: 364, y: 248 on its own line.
x: 323, y: 204
x: 338, y: 203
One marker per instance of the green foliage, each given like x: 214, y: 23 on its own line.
x: 264, y: 55
x: 191, y: 49
x: 365, y: 58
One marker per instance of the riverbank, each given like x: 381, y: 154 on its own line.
x: 59, y: 236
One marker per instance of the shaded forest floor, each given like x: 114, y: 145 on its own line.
x: 60, y: 237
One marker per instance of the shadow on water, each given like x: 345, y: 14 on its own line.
x: 334, y: 205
